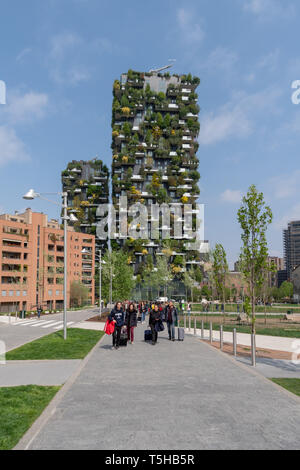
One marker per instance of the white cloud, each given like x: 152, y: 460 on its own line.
x: 226, y: 123
x: 62, y: 43
x: 266, y: 10
x: 270, y: 61
x: 232, y: 196
x: 285, y: 186
x: 221, y: 58
x: 23, y: 53
x: 70, y: 56
x: 27, y: 107
x: 192, y: 31
x: 12, y: 148
x: 239, y: 117
x: 291, y: 215
x: 65, y: 59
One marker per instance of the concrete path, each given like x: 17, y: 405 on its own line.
x: 15, y: 373
x: 274, y: 368
x: 169, y: 396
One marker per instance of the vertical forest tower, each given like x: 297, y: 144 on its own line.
x: 155, y: 131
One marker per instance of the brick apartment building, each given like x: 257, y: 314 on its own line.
x: 32, y: 262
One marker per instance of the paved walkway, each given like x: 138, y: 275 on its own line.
x: 274, y: 368
x: 169, y: 396
x: 15, y: 373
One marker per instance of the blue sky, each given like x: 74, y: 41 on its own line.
x: 59, y: 59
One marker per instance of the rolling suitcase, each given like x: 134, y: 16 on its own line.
x: 123, y: 337
x: 148, y: 335
x: 180, y: 334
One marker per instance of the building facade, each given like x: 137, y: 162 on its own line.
x: 87, y: 186
x: 291, y: 242
x: 155, y: 131
x: 32, y: 262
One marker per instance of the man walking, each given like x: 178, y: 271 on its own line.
x: 172, y: 319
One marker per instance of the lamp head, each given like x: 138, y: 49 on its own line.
x: 30, y: 195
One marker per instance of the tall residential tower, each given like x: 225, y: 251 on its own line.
x: 155, y: 129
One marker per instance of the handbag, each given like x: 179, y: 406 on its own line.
x: 159, y: 326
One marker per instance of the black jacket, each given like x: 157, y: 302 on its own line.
x: 117, y: 315
x: 154, y: 317
x: 131, y: 318
x: 173, y: 313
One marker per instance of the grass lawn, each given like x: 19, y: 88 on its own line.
x: 292, y: 385
x: 258, y: 308
x: 19, y: 408
x: 77, y: 346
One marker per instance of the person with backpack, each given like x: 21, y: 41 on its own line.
x: 131, y: 321
x: 154, y: 318
x: 172, y: 320
x: 117, y: 316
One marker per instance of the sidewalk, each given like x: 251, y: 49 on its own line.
x: 15, y: 373
x: 169, y: 396
x: 277, y: 343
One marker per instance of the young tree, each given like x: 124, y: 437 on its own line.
x: 254, y: 217
x: 79, y: 294
x: 220, y: 270
x: 119, y: 274
x: 286, y: 290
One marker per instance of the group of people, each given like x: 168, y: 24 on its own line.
x: 127, y: 314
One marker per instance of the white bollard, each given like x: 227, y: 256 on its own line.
x: 221, y: 337
x: 253, y: 350
x: 234, y: 342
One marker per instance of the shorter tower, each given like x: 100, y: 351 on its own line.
x: 87, y: 185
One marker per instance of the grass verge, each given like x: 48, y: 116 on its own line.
x: 292, y: 385
x: 19, y: 408
x: 77, y: 345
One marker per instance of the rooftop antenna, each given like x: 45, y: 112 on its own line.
x: 163, y: 68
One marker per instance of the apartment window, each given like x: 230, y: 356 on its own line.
x: 58, y: 292
x: 18, y: 293
x: 49, y: 292
x: 24, y: 293
x: 11, y: 293
x: 4, y: 293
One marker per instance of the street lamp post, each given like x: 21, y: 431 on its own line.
x: 100, y: 279
x: 30, y: 195
x: 65, y: 262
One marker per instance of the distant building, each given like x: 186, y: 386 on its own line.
x: 291, y: 239
x: 237, y: 266
x: 278, y: 266
x: 295, y: 279
x: 32, y: 262
x: 281, y: 277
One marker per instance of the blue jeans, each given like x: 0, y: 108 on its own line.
x: 143, y: 316
x: 171, y: 330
